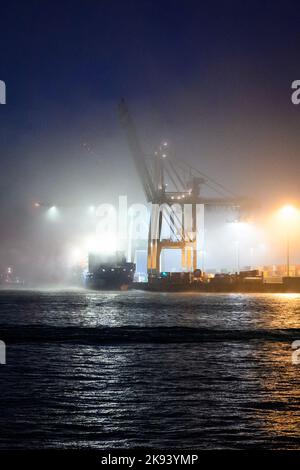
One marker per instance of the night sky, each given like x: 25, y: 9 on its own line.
x: 214, y: 78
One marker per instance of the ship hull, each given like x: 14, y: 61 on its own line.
x: 108, y: 283
x: 111, y: 278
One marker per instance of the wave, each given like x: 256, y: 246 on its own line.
x: 134, y: 334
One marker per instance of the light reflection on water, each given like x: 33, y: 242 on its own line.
x: 149, y: 309
x: 223, y: 390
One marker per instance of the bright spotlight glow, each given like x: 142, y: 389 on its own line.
x: 108, y: 243
x: 91, y: 245
x: 75, y: 256
x: 288, y: 212
x: 52, y: 212
x: 91, y: 209
x: 104, y: 243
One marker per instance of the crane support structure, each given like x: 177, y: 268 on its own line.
x: 184, y: 192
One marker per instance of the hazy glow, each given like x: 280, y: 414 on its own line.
x: 91, y: 209
x: 105, y: 243
x: 52, y: 213
x: 289, y: 212
x: 108, y: 243
x: 75, y: 256
x: 91, y: 244
x: 229, y: 243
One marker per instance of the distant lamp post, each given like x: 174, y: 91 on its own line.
x: 288, y: 214
x: 237, y: 224
x: 237, y: 256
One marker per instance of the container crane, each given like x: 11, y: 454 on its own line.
x: 187, y: 183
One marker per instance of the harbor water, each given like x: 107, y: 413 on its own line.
x: 127, y: 369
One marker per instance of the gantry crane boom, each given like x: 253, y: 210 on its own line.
x: 136, y: 151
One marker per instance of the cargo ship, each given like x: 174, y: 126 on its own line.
x: 109, y: 272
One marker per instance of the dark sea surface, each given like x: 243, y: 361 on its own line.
x: 126, y: 369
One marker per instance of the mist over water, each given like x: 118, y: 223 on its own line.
x: 56, y: 253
